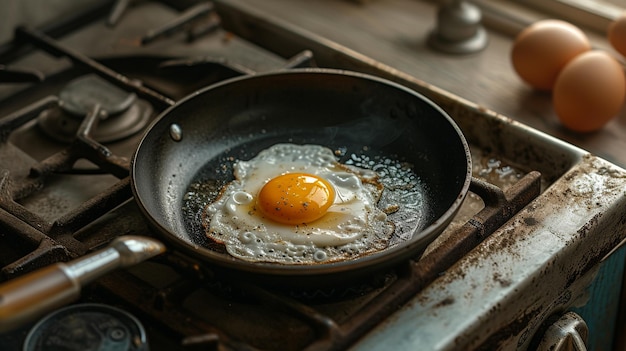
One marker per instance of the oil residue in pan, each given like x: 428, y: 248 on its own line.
x: 202, y: 191
x: 404, y: 198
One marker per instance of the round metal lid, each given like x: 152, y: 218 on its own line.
x: 87, y: 327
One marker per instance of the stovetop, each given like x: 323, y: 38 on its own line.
x: 534, y: 265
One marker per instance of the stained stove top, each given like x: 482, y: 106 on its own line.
x: 494, y: 296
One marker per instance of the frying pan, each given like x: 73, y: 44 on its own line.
x: 197, y: 139
x: 195, y: 142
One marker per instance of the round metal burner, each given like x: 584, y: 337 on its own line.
x: 125, y: 113
x: 87, y: 327
x: 62, y: 126
x: 81, y: 94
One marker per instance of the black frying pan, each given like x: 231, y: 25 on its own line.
x: 193, y: 140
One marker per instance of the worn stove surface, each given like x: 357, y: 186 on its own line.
x: 536, y: 265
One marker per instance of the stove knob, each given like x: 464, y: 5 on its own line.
x: 459, y: 29
x: 568, y: 333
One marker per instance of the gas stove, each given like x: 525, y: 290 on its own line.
x: 530, y: 249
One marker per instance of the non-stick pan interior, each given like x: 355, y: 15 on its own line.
x: 345, y: 111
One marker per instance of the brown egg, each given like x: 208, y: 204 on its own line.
x: 589, y: 92
x: 542, y: 49
x: 617, y: 34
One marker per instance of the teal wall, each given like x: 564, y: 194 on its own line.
x: 601, y: 311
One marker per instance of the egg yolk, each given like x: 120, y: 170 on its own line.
x: 296, y: 198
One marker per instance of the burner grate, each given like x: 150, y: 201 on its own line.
x: 17, y: 184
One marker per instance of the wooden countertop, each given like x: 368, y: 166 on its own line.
x: 394, y: 32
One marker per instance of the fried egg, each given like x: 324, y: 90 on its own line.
x: 296, y: 204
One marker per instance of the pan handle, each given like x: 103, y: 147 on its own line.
x: 28, y: 297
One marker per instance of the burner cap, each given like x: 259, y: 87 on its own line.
x: 126, y: 114
x: 93, y: 327
x: 63, y: 126
x: 80, y: 95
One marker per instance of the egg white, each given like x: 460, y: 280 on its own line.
x: 353, y: 225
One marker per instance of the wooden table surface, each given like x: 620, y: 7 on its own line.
x: 395, y: 33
